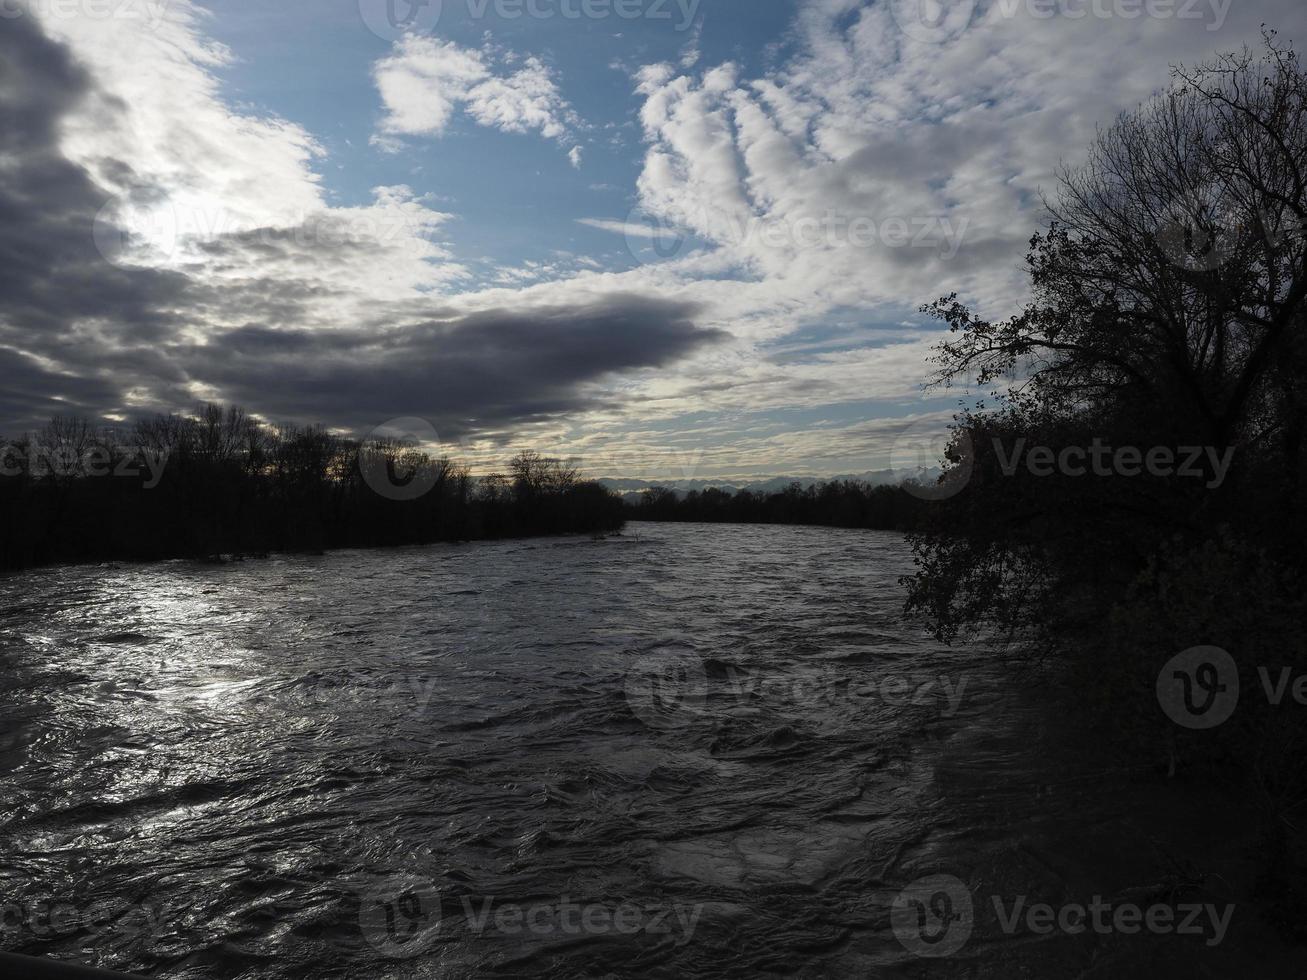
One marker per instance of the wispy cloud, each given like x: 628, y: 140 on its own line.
x: 154, y: 223
x: 619, y: 227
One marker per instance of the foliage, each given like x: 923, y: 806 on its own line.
x: 219, y: 482
x: 839, y: 503
x: 1168, y: 308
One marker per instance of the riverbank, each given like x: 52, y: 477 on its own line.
x: 1041, y: 826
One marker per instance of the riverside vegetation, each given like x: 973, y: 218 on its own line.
x: 1168, y: 309
x: 222, y: 483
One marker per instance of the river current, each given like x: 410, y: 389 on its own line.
x: 683, y: 751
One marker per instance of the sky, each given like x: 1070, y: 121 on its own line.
x: 666, y: 239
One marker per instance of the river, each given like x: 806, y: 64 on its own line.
x: 684, y: 751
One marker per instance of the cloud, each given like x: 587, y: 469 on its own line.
x: 574, y: 157
x: 690, y: 53
x: 222, y: 270
x: 464, y: 372
x: 154, y: 123
x: 951, y: 139
x: 58, y: 298
x: 424, y: 82
x: 321, y: 315
x: 620, y: 227
x: 868, y: 121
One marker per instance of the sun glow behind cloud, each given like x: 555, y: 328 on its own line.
x: 780, y: 209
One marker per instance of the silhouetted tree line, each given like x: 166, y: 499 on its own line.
x: 1169, y: 309
x: 222, y: 483
x: 838, y: 503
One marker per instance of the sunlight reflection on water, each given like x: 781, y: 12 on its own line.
x: 248, y: 749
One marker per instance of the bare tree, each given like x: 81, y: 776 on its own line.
x: 64, y: 444
x: 535, y: 475
x: 1176, y: 267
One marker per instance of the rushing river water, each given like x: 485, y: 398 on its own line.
x: 685, y: 752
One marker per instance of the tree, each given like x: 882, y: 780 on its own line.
x: 1168, y: 308
x: 217, y: 482
x: 1168, y: 303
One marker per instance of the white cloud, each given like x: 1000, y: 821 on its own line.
x: 233, y: 197
x: 620, y: 227
x: 157, y: 106
x: 861, y: 121
x: 424, y: 82
x: 950, y: 142
x: 690, y: 53
x: 956, y: 140
x: 574, y: 157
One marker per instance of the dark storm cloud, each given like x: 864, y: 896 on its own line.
x: 50, y: 270
x: 482, y: 370
x: 30, y: 390
x: 80, y: 334
x: 58, y: 296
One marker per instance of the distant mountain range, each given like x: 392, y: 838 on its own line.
x: 632, y: 490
